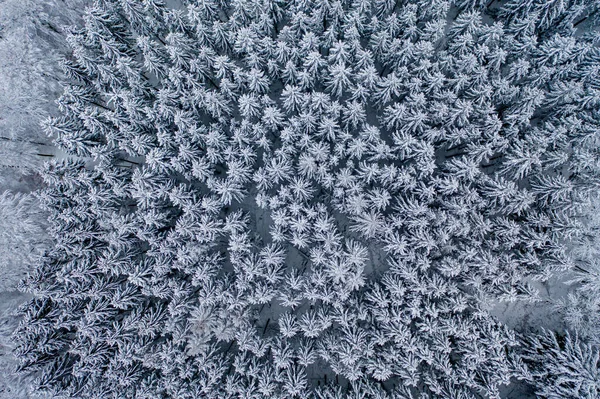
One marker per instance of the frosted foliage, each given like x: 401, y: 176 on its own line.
x: 563, y: 367
x: 581, y: 307
x: 307, y: 199
x: 31, y: 42
x: 24, y: 92
x: 22, y: 237
x: 12, y: 386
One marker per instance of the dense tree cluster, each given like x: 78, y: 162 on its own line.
x: 22, y: 237
x: 562, y: 367
x: 312, y: 198
x: 31, y: 43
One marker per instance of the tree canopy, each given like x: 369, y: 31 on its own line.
x: 312, y: 198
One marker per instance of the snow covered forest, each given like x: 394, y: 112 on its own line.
x: 320, y: 199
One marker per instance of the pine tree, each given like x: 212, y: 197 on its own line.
x: 562, y: 366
